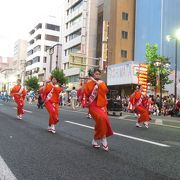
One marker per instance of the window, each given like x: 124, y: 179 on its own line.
x: 124, y: 53
x: 65, y: 52
x: 74, y: 49
x: 28, y: 63
x: 44, y: 59
x: 37, y: 48
x: 67, y: 12
x: 66, y: 25
x: 75, y: 34
x: 52, y: 27
x: 36, y: 59
x: 38, y: 37
x: 52, y: 38
x: 29, y: 52
x: 124, y: 34
x: 39, y: 26
x: 77, y: 6
x: 46, y: 48
x: 75, y: 20
x: 125, y: 16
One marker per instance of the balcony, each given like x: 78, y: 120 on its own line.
x: 73, y: 15
x: 71, y: 3
x: 72, y: 42
x: 73, y: 28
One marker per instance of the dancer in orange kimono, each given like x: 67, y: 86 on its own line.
x: 143, y: 113
x: 95, y: 91
x: 19, y: 93
x: 51, y: 93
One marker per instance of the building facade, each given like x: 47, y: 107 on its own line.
x: 20, y: 54
x: 120, y: 16
x: 54, y: 59
x: 155, y: 19
x: 7, y: 72
x: 45, y: 34
x: 79, y: 37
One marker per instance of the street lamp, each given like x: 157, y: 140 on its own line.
x: 176, y: 38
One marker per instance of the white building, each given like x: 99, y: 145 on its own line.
x: 20, y: 54
x: 45, y: 34
x: 79, y: 34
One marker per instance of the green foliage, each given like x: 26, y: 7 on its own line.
x: 59, y: 75
x: 151, y: 52
x: 32, y: 84
x: 152, y: 56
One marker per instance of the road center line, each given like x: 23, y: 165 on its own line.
x: 24, y: 110
x: 5, y: 172
x: 123, y: 135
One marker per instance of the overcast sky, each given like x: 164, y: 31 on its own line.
x: 17, y: 17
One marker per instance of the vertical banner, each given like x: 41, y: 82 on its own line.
x: 143, y: 77
x: 105, y: 43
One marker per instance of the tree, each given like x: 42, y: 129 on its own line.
x: 32, y: 84
x: 59, y: 75
x: 152, y: 56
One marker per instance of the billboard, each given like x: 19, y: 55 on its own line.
x: 122, y: 74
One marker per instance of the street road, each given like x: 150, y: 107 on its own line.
x: 29, y: 152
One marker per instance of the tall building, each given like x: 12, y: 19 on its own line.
x: 119, y: 17
x: 45, y: 34
x: 20, y: 54
x: 155, y: 19
x: 80, y: 33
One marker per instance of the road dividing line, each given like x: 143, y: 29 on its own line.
x: 5, y: 172
x: 159, y: 121
x: 123, y: 135
x: 24, y: 110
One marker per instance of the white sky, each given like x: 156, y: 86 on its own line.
x: 17, y: 17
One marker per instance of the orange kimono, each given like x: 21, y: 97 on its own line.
x: 51, y: 102
x: 97, y: 103
x: 137, y: 101
x: 19, y: 93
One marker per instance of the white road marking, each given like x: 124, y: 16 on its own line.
x: 123, y: 117
x: 24, y: 110
x: 5, y: 172
x: 131, y: 120
x: 123, y: 135
x: 159, y: 121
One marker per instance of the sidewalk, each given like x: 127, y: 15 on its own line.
x: 167, y: 121
x: 156, y: 117
x: 158, y: 120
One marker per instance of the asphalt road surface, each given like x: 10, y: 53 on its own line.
x: 29, y: 152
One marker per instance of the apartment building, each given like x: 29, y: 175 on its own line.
x: 80, y: 33
x: 45, y: 34
x: 20, y: 54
